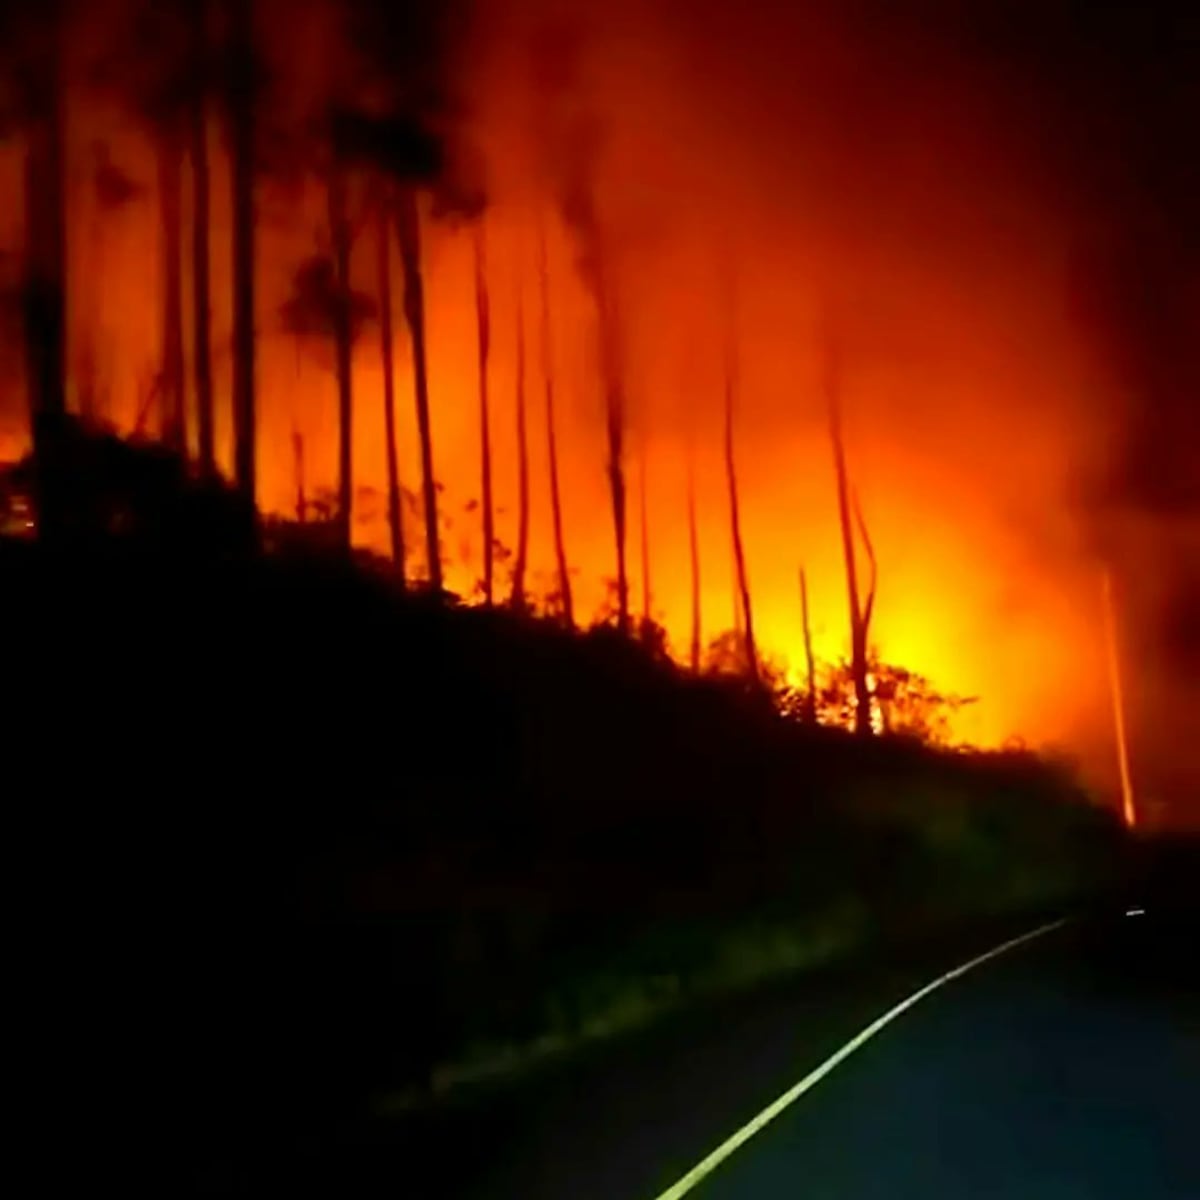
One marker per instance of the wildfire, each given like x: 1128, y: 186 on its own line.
x: 956, y: 365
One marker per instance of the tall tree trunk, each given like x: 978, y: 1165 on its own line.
x: 409, y: 233
x: 560, y: 547
x: 298, y: 472
x: 858, y: 641
x: 201, y: 285
x: 614, y: 403
x: 810, y: 699
x: 339, y: 231
x: 45, y: 282
x: 739, y: 555
x: 88, y: 383
x: 395, y: 519
x: 170, y: 198
x: 521, y: 562
x: 694, y: 552
x: 243, y: 173
x: 483, y: 327
x: 644, y: 529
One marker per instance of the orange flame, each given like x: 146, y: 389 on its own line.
x: 963, y: 389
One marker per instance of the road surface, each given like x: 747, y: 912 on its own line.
x: 1064, y: 1069
x: 1067, y: 1069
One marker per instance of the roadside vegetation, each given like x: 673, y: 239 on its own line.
x: 364, y: 842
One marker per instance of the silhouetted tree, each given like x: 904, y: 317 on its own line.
x: 739, y: 554
x: 241, y: 105
x: 578, y: 144
x: 560, y: 550
x: 339, y: 233
x: 409, y: 229
x: 522, y: 556
x: 298, y: 471
x: 483, y: 329
x: 395, y: 519
x: 644, y: 527
x: 170, y: 198
x: 858, y: 630
x: 810, y: 698
x: 403, y: 50
x: 201, y: 220
x: 152, y: 67
x: 908, y: 704
x: 614, y: 412
x: 694, y: 555
x: 33, y: 49
x: 322, y: 306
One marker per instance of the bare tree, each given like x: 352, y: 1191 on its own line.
x: 395, y: 519
x: 339, y: 232
x: 202, y: 298
x: 521, y: 561
x: 858, y: 626
x: 403, y: 53
x: 408, y: 223
x: 298, y: 472
x: 560, y: 551
x: 323, y: 306
x: 483, y: 326
x: 241, y: 110
x: 160, y: 64
x: 170, y: 197
x: 201, y: 219
x: 869, y: 605
x: 614, y: 410
x: 37, y: 45
x: 644, y: 527
x: 694, y: 551
x: 810, y: 698
x: 739, y: 555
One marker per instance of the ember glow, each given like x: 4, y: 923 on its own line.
x: 821, y: 172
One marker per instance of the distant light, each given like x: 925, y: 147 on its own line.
x: 1135, y: 912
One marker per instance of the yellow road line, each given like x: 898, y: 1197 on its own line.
x: 706, y: 1166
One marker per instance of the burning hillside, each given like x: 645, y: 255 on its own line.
x: 657, y: 233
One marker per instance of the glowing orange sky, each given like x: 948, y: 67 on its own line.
x: 894, y: 192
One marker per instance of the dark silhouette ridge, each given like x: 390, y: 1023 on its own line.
x: 395, y: 924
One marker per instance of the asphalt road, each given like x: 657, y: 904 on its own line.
x: 1068, y: 1069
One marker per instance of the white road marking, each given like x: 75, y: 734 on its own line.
x: 706, y: 1166
x: 1135, y: 912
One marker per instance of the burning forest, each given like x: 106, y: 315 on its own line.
x: 526, y: 521
x: 565, y: 309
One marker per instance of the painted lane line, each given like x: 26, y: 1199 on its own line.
x: 706, y: 1166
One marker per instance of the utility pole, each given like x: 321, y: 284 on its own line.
x: 1128, y: 808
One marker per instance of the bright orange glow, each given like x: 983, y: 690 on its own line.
x: 965, y: 390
